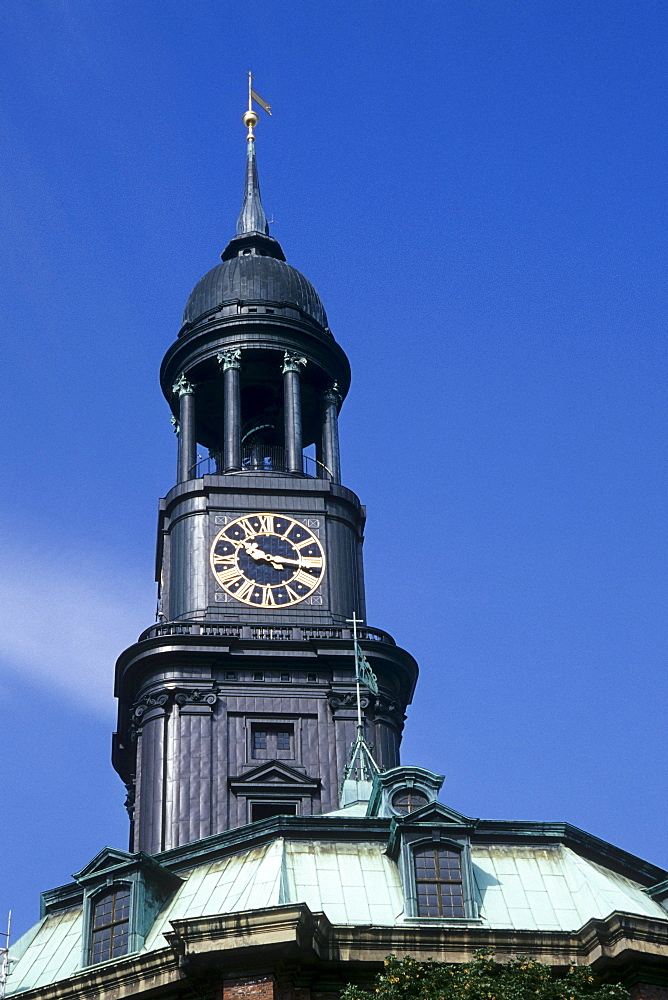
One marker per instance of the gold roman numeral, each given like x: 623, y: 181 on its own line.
x: 268, y: 600
x: 303, y: 545
x: 247, y: 526
x: 229, y: 576
x: 304, y: 578
x: 312, y: 562
x: 245, y: 589
x: 266, y: 523
x: 220, y: 561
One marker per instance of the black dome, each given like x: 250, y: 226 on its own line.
x: 255, y: 277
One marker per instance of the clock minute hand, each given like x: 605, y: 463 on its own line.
x: 256, y: 553
x: 283, y: 561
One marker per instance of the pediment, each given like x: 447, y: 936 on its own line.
x: 436, y: 812
x: 276, y: 774
x: 112, y: 863
x: 109, y: 857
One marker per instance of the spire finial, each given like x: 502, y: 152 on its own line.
x: 250, y: 117
x: 252, y: 218
x: 252, y: 226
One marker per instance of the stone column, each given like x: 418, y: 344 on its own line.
x: 331, y: 457
x: 293, y: 410
x: 230, y: 362
x: 187, y: 448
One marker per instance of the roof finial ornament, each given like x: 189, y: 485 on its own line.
x: 250, y: 118
x: 252, y: 234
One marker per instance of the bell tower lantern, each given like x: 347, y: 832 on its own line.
x: 239, y: 703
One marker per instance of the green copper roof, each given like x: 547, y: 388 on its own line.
x: 523, y: 887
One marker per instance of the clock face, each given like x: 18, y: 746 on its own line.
x: 267, y: 560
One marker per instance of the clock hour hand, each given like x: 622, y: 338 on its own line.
x: 256, y: 553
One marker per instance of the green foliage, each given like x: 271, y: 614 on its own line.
x: 483, y: 979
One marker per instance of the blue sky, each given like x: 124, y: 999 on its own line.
x: 477, y: 190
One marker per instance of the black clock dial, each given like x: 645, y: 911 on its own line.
x: 267, y: 560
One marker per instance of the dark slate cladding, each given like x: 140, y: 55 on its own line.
x: 255, y: 277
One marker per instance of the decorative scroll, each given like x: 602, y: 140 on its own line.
x: 175, y: 424
x: 164, y: 700
x: 390, y: 710
x: 347, y: 700
x: 195, y: 697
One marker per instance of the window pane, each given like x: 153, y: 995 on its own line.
x: 439, y: 883
x: 282, y: 739
x: 111, y: 926
x: 259, y: 739
x: 406, y: 801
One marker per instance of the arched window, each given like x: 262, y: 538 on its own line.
x: 438, y: 881
x: 111, y: 924
x: 407, y: 800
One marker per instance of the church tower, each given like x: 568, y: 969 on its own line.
x: 239, y: 703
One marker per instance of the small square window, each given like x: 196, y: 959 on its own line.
x: 231, y: 675
x: 285, y: 677
x: 311, y: 677
x: 259, y: 739
x: 252, y: 309
x: 283, y: 739
x: 269, y: 740
x: 258, y: 675
x: 270, y: 311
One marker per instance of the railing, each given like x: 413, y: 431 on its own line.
x: 273, y: 633
x: 259, y: 458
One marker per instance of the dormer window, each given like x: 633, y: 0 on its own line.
x: 111, y: 925
x: 122, y: 895
x: 405, y: 801
x: 438, y: 882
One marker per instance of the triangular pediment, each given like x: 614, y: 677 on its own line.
x: 273, y: 770
x: 274, y: 773
x: 436, y: 812
x: 109, y: 857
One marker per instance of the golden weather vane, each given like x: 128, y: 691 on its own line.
x: 250, y: 117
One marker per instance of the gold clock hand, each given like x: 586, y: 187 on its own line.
x: 253, y: 550
x: 256, y: 553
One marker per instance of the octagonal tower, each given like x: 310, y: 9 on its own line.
x: 239, y: 703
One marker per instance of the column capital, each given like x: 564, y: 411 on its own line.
x: 196, y: 696
x: 332, y: 394
x: 292, y: 362
x: 229, y: 359
x: 149, y: 706
x: 182, y: 386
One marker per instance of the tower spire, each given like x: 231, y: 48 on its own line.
x: 252, y: 225
x: 252, y: 218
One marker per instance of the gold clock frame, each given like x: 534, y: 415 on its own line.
x: 236, y: 583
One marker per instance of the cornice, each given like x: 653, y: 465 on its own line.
x: 622, y: 941
x: 586, y: 844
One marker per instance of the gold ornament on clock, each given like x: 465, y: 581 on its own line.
x: 267, y: 560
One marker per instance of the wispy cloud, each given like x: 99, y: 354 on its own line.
x: 64, y: 622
